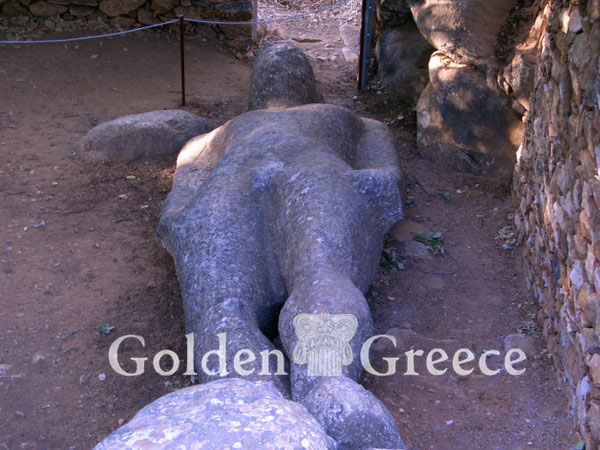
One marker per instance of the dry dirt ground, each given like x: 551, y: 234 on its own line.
x: 77, y: 253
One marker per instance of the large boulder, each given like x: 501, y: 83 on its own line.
x: 465, y: 30
x: 477, y: 115
x: 434, y: 139
x: 137, y: 136
x: 403, y: 56
x: 276, y: 214
x: 229, y: 413
x: 393, y: 13
x: 282, y: 77
x: 436, y: 143
x: 520, y: 76
x: 522, y: 62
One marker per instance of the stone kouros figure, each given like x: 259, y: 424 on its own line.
x: 275, y: 222
x: 278, y: 213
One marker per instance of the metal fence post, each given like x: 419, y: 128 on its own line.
x: 182, y: 59
x: 367, y: 32
x: 254, y: 19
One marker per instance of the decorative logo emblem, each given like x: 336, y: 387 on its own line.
x: 324, y: 342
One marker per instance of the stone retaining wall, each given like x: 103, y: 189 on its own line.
x: 127, y: 14
x: 557, y: 191
x: 542, y: 59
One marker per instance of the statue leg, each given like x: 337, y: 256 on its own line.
x: 229, y: 290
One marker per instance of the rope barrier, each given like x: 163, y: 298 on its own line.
x: 83, y: 38
x: 203, y: 22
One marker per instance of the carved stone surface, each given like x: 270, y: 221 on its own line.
x: 282, y: 77
x: 280, y: 204
x: 280, y: 210
x: 229, y: 413
x: 352, y: 416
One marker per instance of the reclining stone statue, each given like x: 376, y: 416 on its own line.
x: 275, y: 222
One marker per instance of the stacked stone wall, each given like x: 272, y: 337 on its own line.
x: 126, y: 14
x: 557, y: 191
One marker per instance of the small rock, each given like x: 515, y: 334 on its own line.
x: 350, y: 55
x: 116, y: 7
x: 20, y: 413
x: 350, y: 34
x: 520, y: 341
x: 571, y: 21
x: 595, y: 369
x: 46, y: 9
x: 4, y: 368
x: 102, y: 377
x: 306, y: 40
x: 123, y: 197
x: 416, y: 251
x: 406, y: 230
x: 577, y: 275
